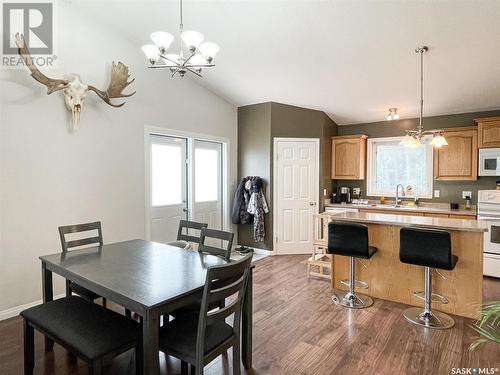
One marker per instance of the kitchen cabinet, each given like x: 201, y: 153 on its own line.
x: 349, y: 157
x: 489, y: 131
x: 392, y: 212
x: 458, y: 160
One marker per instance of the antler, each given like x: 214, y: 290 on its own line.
x: 119, y: 81
x: 53, y: 85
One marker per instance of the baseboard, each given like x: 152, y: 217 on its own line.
x: 14, y: 311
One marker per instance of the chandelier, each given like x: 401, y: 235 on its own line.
x: 198, y: 54
x: 415, y: 137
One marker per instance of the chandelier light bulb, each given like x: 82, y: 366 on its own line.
x: 162, y: 40
x: 209, y: 50
x: 192, y: 39
x: 151, y: 51
x: 438, y: 141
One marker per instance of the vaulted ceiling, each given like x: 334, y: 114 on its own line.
x: 352, y: 59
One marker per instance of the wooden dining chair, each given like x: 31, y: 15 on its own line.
x: 224, y: 252
x: 184, y: 238
x: 201, y: 337
x: 95, y: 239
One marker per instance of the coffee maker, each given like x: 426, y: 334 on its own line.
x: 343, y: 195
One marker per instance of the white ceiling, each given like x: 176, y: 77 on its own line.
x: 352, y: 59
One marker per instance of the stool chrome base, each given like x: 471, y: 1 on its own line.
x: 427, y: 319
x: 353, y: 301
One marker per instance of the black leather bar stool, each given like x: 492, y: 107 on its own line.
x: 431, y: 249
x: 351, y: 240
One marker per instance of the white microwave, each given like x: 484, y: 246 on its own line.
x: 489, y: 161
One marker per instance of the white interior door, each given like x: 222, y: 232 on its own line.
x: 207, y: 169
x: 296, y: 193
x: 168, y: 193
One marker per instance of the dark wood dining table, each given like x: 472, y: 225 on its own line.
x: 149, y: 278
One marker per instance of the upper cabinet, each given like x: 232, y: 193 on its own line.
x: 458, y: 160
x: 349, y: 157
x: 489, y: 131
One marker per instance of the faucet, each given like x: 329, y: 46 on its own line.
x: 397, y: 203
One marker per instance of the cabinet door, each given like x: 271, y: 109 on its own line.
x: 458, y: 160
x: 489, y: 132
x: 348, y: 158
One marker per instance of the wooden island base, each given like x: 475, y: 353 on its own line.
x: 392, y: 280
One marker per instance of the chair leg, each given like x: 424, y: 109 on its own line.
x: 96, y: 367
x: 68, y: 288
x: 29, y: 348
x: 138, y: 358
x: 184, y: 368
x: 236, y: 358
x: 104, y: 302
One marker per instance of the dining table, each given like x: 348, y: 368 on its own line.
x: 149, y: 278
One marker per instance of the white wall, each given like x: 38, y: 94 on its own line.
x: 49, y: 177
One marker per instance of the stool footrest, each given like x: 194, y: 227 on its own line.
x: 435, y: 298
x: 357, y: 284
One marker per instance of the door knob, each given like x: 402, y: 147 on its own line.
x: 185, y: 209
x: 312, y: 203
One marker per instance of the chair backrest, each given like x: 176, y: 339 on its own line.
x: 77, y: 228
x: 425, y: 247
x: 222, y: 281
x: 187, y: 225
x: 219, y: 235
x: 348, y: 239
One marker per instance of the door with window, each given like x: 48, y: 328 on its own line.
x: 185, y: 182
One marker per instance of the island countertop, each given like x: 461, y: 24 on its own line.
x: 462, y: 225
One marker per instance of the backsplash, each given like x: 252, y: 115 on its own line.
x: 449, y: 191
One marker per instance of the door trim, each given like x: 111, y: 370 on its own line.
x: 191, y: 137
x: 276, y: 140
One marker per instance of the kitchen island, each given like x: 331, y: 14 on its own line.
x: 392, y: 280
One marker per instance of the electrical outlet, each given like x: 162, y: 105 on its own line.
x: 436, y: 193
x: 324, y: 192
x: 466, y: 194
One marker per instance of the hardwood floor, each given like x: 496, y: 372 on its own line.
x: 298, y: 331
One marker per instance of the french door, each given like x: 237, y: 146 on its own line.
x: 185, y: 182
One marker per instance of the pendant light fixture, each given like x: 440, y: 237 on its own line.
x: 199, y: 54
x: 414, y: 137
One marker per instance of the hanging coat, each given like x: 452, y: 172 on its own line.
x: 257, y: 206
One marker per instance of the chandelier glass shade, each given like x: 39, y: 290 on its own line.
x: 194, y: 54
x: 416, y: 137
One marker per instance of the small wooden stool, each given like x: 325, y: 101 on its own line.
x: 320, y: 263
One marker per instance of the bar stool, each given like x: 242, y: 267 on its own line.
x: 431, y: 249
x: 349, y: 239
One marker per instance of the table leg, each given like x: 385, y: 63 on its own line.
x: 150, y: 343
x: 247, y: 324
x: 48, y: 295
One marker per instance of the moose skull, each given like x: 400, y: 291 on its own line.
x: 74, y: 96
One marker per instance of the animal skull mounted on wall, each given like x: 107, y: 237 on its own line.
x: 74, y: 89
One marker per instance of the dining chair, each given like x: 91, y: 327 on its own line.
x: 95, y: 239
x: 200, y: 337
x: 184, y: 238
x: 87, y: 330
x: 223, y: 251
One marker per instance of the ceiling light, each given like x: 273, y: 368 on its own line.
x: 198, y: 56
x: 438, y: 139
x: 393, y: 114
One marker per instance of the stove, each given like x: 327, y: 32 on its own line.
x: 488, y: 209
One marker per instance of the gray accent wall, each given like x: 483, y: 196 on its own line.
x: 258, y: 125
x: 450, y: 191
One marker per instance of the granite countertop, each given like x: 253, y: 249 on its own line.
x: 437, y: 208
x: 463, y: 225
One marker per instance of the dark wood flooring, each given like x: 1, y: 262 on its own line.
x: 298, y: 331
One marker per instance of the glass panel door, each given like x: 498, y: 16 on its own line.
x: 207, y: 183
x: 168, y: 186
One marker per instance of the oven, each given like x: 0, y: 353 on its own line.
x: 489, y: 162
x: 489, y: 211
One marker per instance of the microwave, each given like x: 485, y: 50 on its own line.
x: 489, y: 161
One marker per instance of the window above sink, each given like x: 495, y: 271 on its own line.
x: 390, y: 163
